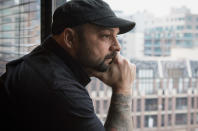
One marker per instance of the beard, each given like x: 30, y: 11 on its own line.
x: 84, y: 56
x: 102, y: 67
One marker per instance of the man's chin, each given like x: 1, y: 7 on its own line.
x: 91, y: 71
x: 102, y: 68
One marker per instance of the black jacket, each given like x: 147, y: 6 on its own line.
x: 46, y: 89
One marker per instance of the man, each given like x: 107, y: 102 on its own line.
x: 46, y: 88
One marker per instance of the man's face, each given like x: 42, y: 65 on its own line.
x: 97, y: 47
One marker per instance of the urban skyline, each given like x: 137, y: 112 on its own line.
x: 156, y: 7
x: 167, y: 36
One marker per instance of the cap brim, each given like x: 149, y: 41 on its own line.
x: 115, y: 22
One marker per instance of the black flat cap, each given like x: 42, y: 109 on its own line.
x: 78, y: 12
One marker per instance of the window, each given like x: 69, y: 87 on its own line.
x: 146, y: 86
x: 181, y: 103
x: 192, y: 118
x: 181, y: 119
x: 20, y: 25
x: 188, y: 35
x: 192, y: 102
x: 169, y: 119
x: 151, y: 104
x: 138, y: 105
x: 189, y: 27
x: 97, y: 106
x: 146, y: 73
x: 196, y: 118
x: 163, y: 104
x: 138, y: 119
x: 189, y: 18
x: 170, y: 105
x: 180, y: 27
x: 105, y: 106
x: 150, y: 121
x: 162, y: 120
x: 196, y: 72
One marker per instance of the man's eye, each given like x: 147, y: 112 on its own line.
x: 106, y: 36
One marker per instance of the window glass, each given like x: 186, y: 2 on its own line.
x: 19, y: 29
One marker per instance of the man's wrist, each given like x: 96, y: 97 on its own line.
x: 121, y: 98
x: 124, y: 91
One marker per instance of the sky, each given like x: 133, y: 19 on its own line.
x: 156, y: 7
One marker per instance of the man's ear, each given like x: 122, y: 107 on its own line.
x: 68, y: 37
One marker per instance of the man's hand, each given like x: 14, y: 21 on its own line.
x: 119, y: 76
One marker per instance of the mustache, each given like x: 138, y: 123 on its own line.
x: 111, y: 56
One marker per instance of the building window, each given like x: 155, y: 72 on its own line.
x: 181, y: 103
x: 163, y: 103
x: 193, y: 85
x: 192, y: 102
x: 97, y: 106
x: 169, y: 119
x: 138, y: 119
x: 170, y: 85
x: 105, y: 106
x: 189, y: 27
x: 191, y: 118
x: 138, y: 109
x: 146, y: 86
x: 151, y: 104
x: 150, y: 121
x: 196, y: 73
x: 181, y: 119
x: 180, y: 27
x: 170, y: 105
x: 196, y: 118
x: 188, y: 35
x: 162, y: 120
x: 189, y: 18
x: 145, y: 73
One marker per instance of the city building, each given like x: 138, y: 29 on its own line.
x: 165, y: 95
x: 19, y: 28
x: 178, y: 29
x: 132, y: 43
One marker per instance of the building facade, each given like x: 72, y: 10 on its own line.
x: 165, y: 96
x: 178, y: 29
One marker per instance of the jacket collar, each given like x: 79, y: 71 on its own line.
x: 81, y: 76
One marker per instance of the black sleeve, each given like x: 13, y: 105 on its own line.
x: 67, y: 107
x: 80, y: 109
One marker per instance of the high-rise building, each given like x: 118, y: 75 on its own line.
x: 19, y: 28
x: 165, y: 95
x: 132, y: 43
x: 178, y: 29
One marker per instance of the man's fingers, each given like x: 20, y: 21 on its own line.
x: 133, y: 70
x: 118, y: 59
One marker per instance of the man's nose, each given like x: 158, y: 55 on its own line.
x: 115, y: 46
